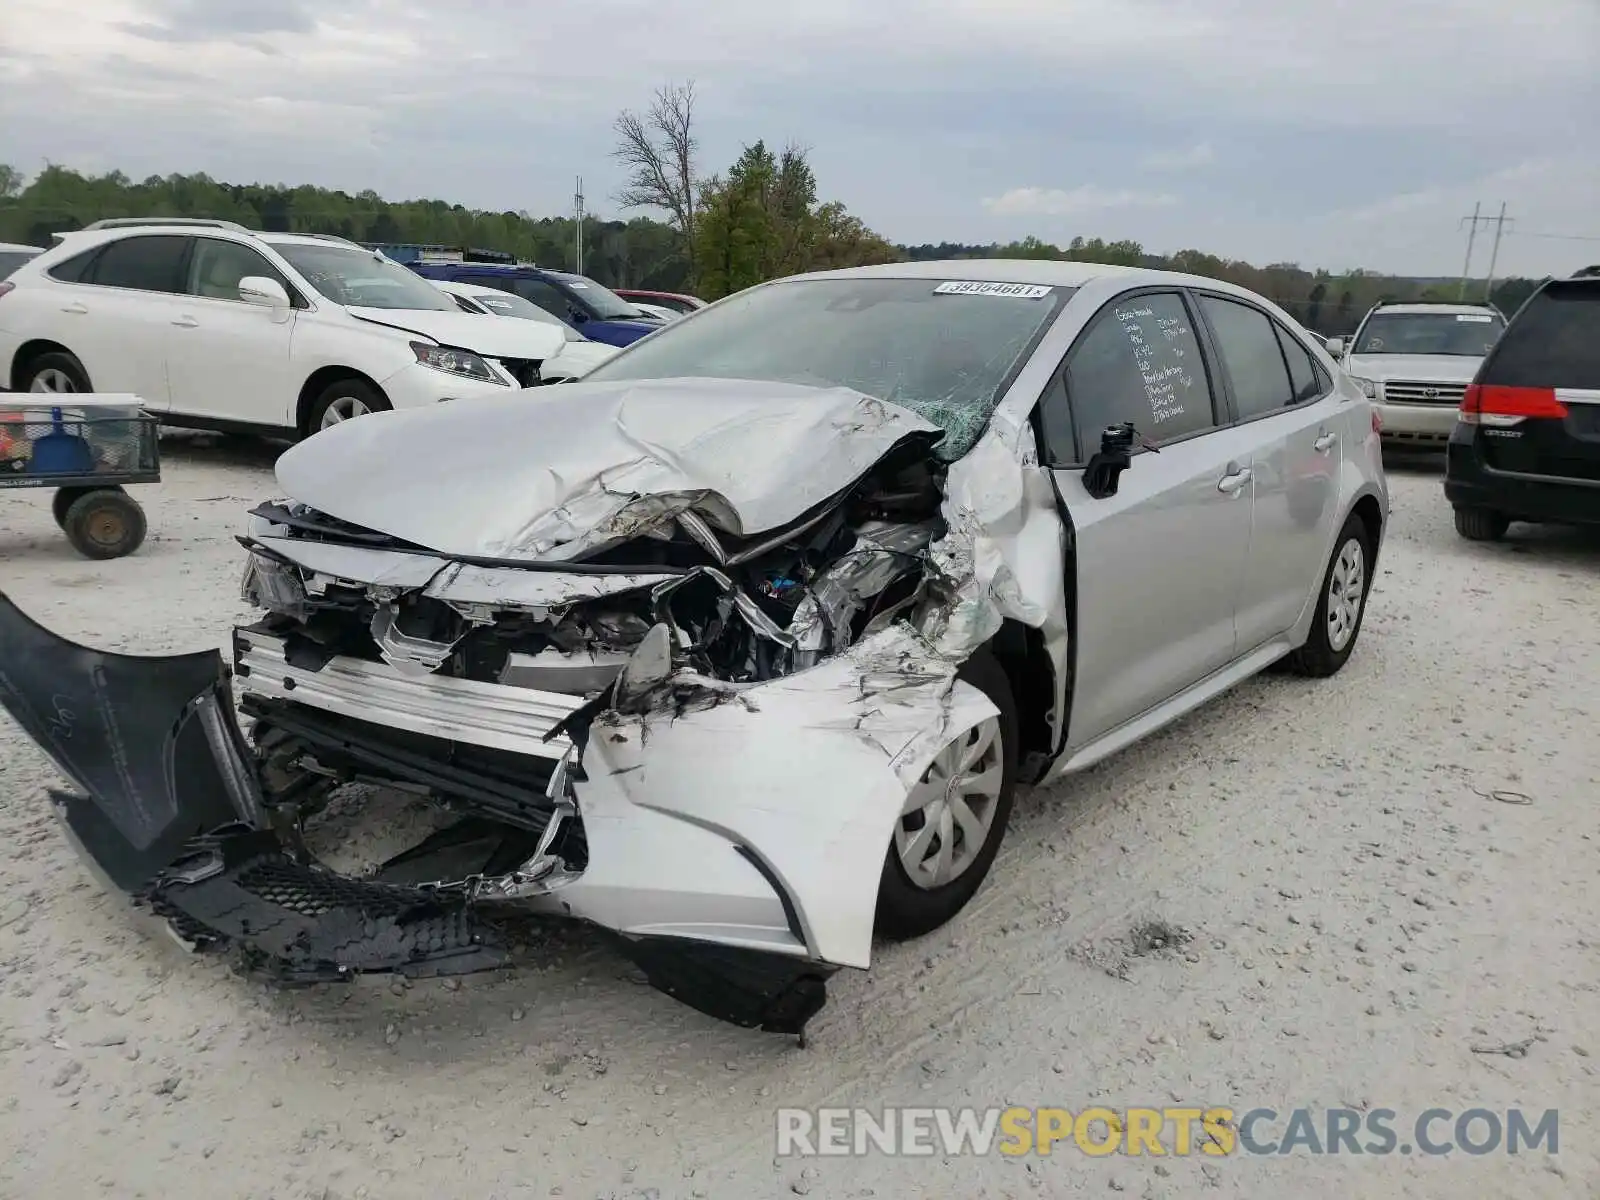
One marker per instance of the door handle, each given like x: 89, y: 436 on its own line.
x: 74, y: 308
x: 185, y: 321
x: 1324, y: 443
x: 1230, y: 484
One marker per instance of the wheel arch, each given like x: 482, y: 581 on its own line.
x: 1021, y: 653
x: 30, y: 350
x: 318, y: 382
x: 1370, y: 511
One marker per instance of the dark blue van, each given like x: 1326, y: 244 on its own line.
x: 600, y: 313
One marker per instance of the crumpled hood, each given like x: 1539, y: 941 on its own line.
x: 489, y: 336
x: 592, y: 464
x: 1441, y: 368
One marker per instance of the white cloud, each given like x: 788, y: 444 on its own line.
x: 1059, y: 202
x: 502, y: 103
x: 1198, y: 155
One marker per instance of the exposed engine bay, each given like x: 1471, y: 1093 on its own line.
x: 731, y: 613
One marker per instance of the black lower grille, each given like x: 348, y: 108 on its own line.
x: 493, y: 783
x: 524, y: 370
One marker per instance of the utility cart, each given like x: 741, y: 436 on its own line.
x: 88, y: 447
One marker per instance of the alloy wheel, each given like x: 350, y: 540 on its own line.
x: 51, y: 379
x: 344, y: 408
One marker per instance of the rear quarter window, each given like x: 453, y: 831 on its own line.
x: 71, y: 270
x: 1553, y: 342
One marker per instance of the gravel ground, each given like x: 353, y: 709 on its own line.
x: 1365, y: 921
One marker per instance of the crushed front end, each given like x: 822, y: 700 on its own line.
x: 696, y: 738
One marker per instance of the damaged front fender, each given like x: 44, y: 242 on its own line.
x: 761, y: 818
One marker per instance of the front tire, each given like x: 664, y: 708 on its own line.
x: 1481, y: 524
x: 947, y: 837
x: 344, y: 400
x: 1342, y: 605
x: 55, y: 373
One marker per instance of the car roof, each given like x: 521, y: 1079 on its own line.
x: 1044, y: 271
x: 20, y: 246
x: 303, y: 239
x: 477, y: 268
x: 1436, y: 309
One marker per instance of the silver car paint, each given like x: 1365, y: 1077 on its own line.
x: 812, y: 768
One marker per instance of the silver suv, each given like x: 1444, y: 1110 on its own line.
x: 740, y: 646
x: 1416, y: 361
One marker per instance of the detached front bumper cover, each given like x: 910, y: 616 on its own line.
x: 167, y: 807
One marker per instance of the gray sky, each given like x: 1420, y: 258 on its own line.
x: 1354, y: 133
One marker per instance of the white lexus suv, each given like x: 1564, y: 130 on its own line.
x: 220, y: 327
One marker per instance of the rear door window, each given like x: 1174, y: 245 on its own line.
x: 1308, y: 380
x: 147, y: 264
x: 1554, y: 342
x: 1251, y: 355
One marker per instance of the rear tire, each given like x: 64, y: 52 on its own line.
x: 1341, y: 606
x: 908, y: 909
x: 344, y: 400
x: 1481, y: 524
x: 105, y: 524
x: 55, y: 373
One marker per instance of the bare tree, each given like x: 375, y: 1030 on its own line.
x: 658, y: 148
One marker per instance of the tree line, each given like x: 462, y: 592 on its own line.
x: 713, y: 235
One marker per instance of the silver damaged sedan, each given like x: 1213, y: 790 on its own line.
x: 740, y: 648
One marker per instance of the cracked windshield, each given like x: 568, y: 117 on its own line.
x: 946, y: 357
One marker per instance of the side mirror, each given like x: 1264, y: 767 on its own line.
x: 268, y: 293
x: 1336, y: 347
x: 1113, y: 458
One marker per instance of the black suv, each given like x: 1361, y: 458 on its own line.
x: 1527, y: 444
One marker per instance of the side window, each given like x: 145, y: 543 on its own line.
x: 146, y: 264
x: 218, y: 266
x: 1251, y: 355
x: 1139, y: 361
x: 1308, y: 381
x: 547, y: 296
x: 74, y: 269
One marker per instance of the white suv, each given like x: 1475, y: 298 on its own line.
x: 219, y: 327
x: 1416, y: 360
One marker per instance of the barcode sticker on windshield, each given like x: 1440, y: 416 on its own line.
x: 1017, y: 291
x: 1482, y: 318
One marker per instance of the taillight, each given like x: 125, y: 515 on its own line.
x: 1495, y: 404
x: 6, y: 286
